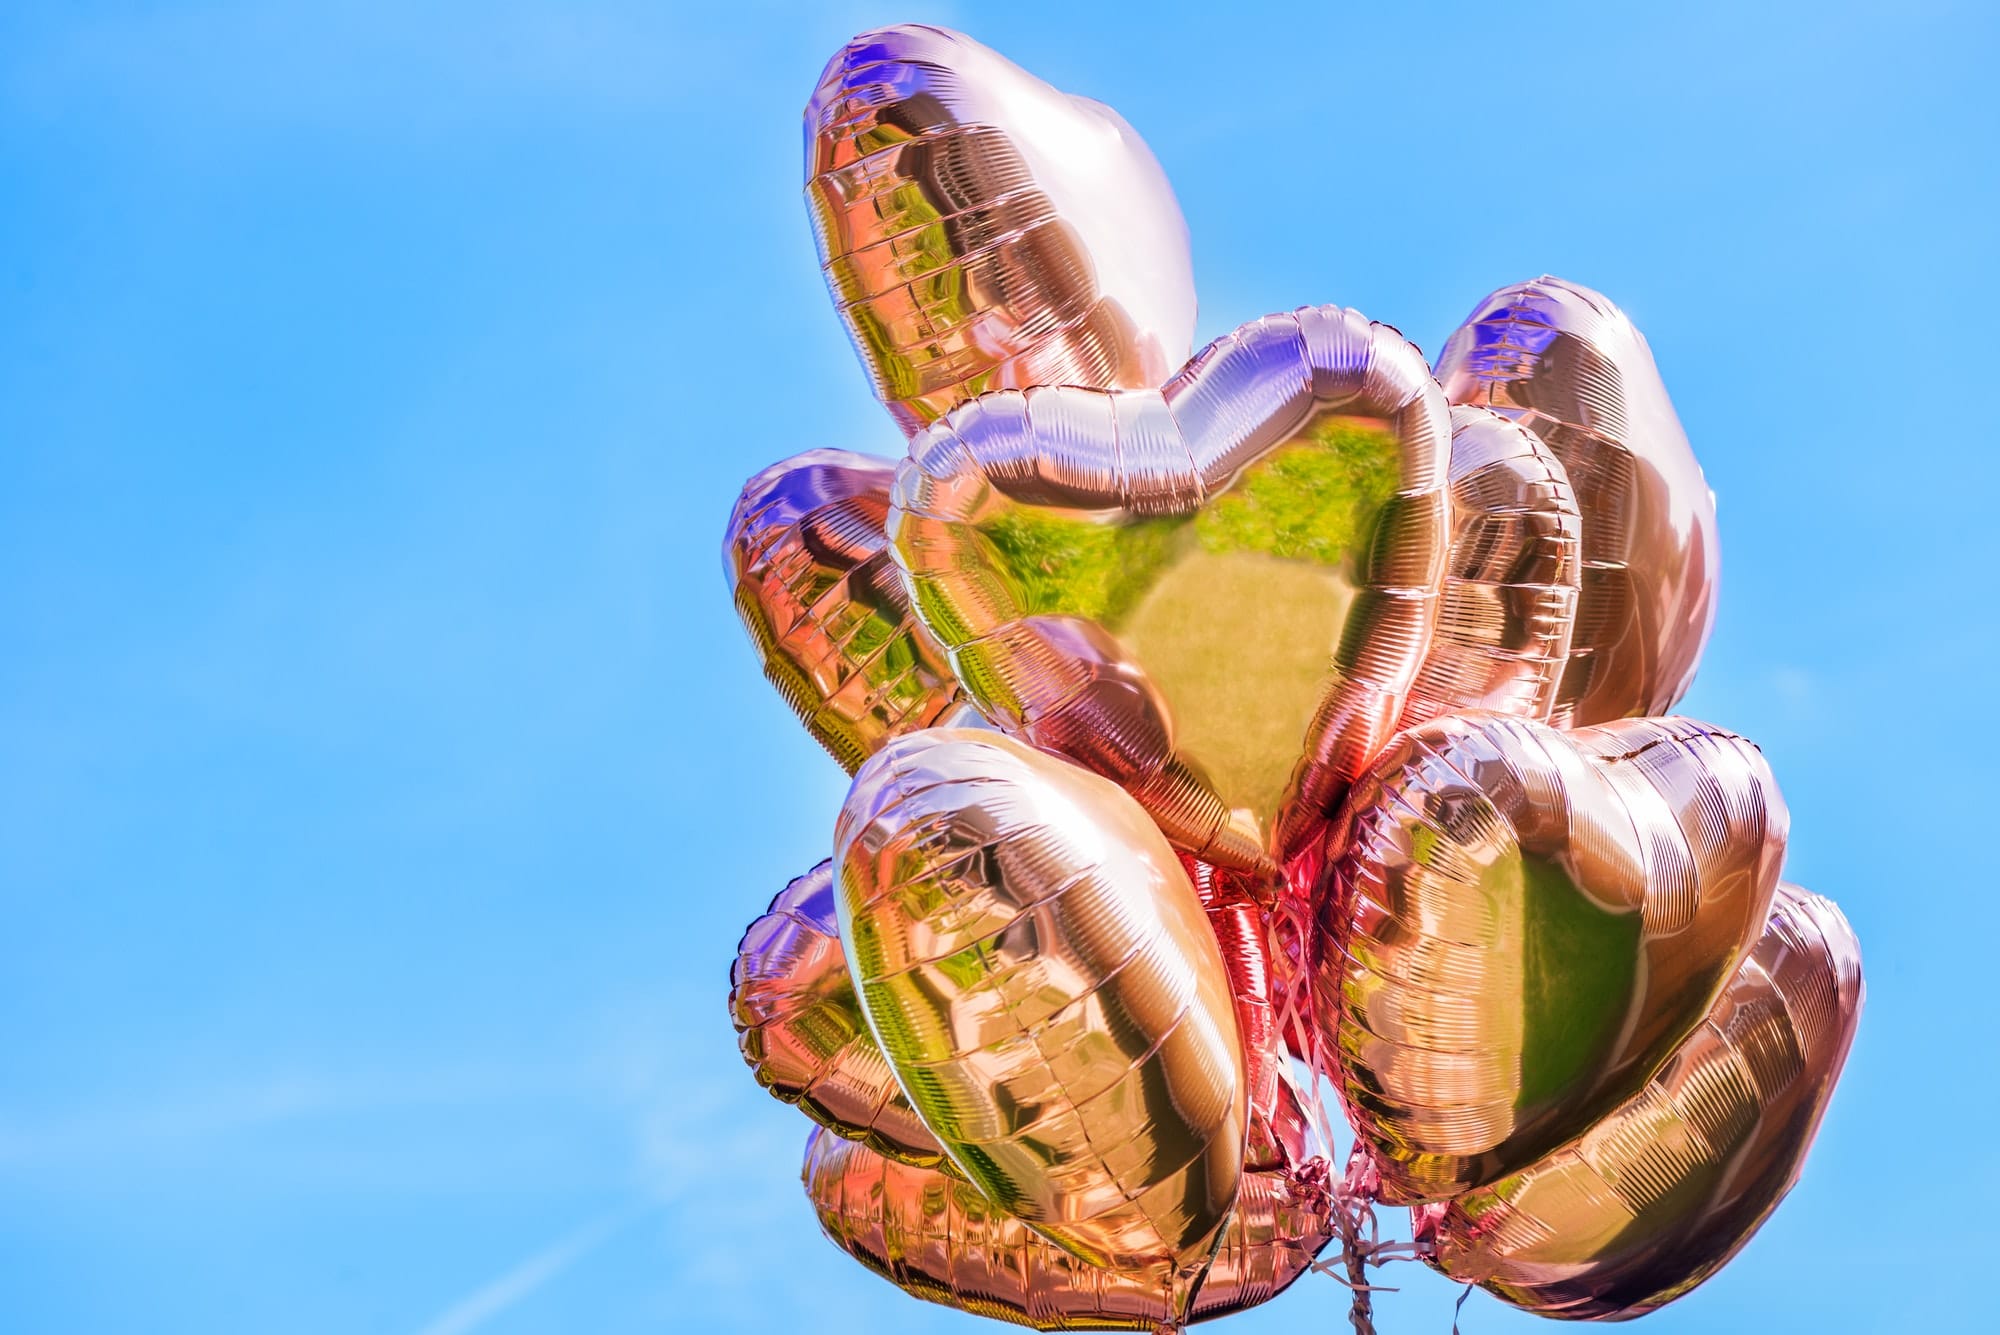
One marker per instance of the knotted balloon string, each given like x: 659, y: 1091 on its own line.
x: 1353, y: 1197
x: 1361, y: 1242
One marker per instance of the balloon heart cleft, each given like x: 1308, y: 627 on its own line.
x: 1194, y: 715
x: 802, y: 1032
x: 1520, y: 924
x: 1217, y: 593
x: 1664, y: 1189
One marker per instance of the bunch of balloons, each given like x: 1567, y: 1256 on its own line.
x: 1296, y: 707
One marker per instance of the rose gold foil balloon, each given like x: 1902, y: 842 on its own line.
x: 1282, y: 646
x: 1663, y: 1191
x: 1216, y: 593
x: 802, y: 1031
x: 1040, y: 974
x: 1510, y: 597
x: 936, y: 1237
x: 939, y: 1239
x: 981, y: 230
x: 1522, y: 923
x: 809, y: 565
x: 1564, y: 362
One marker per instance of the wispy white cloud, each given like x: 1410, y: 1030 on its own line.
x: 718, y: 1153
x: 523, y: 1280
x: 646, y: 1099
x: 163, y: 1121
x: 138, y: 1123
x: 685, y: 1094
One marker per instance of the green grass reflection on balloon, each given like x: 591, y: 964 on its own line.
x: 1234, y: 611
x: 1315, y: 499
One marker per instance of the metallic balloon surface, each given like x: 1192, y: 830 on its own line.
x: 1658, y: 1195
x: 1564, y: 362
x: 981, y: 230
x: 1521, y: 923
x: 1326, y: 697
x: 802, y: 1032
x: 1278, y: 1127
x: 1216, y: 593
x: 937, y: 1238
x: 1040, y: 973
x: 801, y: 1029
x: 809, y: 566
x: 1510, y: 595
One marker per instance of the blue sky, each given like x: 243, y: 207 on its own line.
x: 386, y: 780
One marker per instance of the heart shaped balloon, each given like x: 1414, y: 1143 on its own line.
x: 1042, y: 978
x: 1521, y: 924
x: 1510, y: 591
x: 1216, y: 593
x: 1660, y: 1194
x: 982, y: 230
x: 802, y: 1032
x: 809, y: 566
x: 1310, y: 625
x: 1566, y: 363
x: 936, y: 1237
